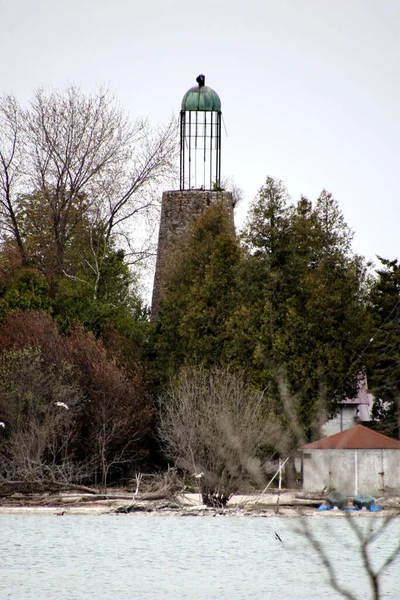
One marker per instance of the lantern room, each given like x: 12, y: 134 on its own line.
x: 200, y: 133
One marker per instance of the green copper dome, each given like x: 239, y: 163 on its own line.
x: 201, y: 97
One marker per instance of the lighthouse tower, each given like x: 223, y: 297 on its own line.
x: 200, y: 177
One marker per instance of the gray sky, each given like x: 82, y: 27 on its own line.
x: 310, y: 89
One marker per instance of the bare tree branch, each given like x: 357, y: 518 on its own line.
x: 85, y: 161
x: 212, y: 424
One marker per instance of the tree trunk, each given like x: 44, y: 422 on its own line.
x: 290, y: 473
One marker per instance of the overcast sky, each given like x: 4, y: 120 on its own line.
x: 310, y: 89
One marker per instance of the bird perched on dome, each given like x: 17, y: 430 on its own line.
x: 201, y: 80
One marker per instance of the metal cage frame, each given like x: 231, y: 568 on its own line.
x: 200, y: 149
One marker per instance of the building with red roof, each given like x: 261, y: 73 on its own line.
x: 355, y: 460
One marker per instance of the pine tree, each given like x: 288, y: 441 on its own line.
x: 384, y: 350
x: 303, y: 306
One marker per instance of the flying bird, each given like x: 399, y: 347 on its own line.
x: 62, y: 404
x: 277, y: 537
x: 198, y: 475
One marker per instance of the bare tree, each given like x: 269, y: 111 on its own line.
x: 367, y: 533
x: 83, y: 158
x: 114, y: 442
x: 218, y: 428
x: 229, y: 184
x: 11, y: 171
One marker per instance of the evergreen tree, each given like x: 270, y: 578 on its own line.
x: 201, y: 294
x: 302, y: 303
x: 383, y: 354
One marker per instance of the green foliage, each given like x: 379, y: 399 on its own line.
x: 201, y: 294
x: 292, y: 301
x: 95, y: 286
x: 100, y: 300
x: 266, y: 230
x: 303, y: 298
x: 23, y: 289
x: 383, y: 356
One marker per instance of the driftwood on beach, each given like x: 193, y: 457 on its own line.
x: 53, y: 493
x: 163, y: 495
x: 9, y: 488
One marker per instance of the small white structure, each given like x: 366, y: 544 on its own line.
x: 351, y: 410
x: 352, y: 461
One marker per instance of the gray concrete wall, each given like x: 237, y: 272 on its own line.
x: 179, y: 210
x: 378, y: 471
x: 343, y: 420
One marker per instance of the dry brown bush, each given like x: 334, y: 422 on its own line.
x: 215, y: 426
x: 117, y: 414
x: 107, y: 426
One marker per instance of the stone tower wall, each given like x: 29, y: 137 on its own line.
x: 179, y: 210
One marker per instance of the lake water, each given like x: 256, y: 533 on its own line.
x: 125, y: 557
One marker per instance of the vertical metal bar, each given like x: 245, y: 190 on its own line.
x: 196, y: 133
x: 219, y: 149
x: 190, y: 149
x: 182, y: 169
x: 211, y: 151
x: 204, y: 148
x: 280, y: 475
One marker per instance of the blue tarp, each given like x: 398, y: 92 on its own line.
x: 373, y: 508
